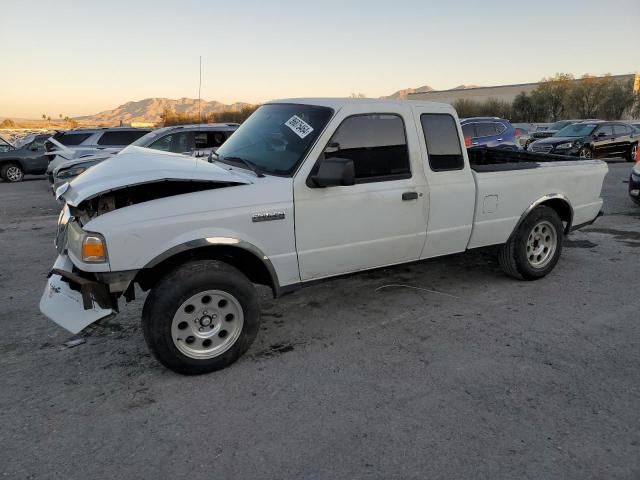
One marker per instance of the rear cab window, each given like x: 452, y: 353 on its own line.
x: 443, y: 143
x: 210, y: 139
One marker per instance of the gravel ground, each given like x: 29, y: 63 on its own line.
x: 497, y: 379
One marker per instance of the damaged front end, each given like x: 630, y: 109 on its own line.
x: 81, y: 287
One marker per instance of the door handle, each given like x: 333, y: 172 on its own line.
x: 409, y: 196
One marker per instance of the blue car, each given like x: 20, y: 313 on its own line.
x: 489, y: 132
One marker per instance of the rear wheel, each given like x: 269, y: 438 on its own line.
x: 535, y: 247
x: 12, y: 172
x: 201, y: 317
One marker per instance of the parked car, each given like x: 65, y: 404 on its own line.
x: 71, y: 144
x: 27, y: 157
x: 304, y: 190
x: 634, y: 182
x: 196, y: 140
x: 552, y: 130
x: 489, y: 131
x: 635, y: 124
x: 592, y: 139
x: 5, y: 145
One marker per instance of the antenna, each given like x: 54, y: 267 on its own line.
x: 199, y: 90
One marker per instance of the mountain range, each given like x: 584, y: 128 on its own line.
x: 150, y: 109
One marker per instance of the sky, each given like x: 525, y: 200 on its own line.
x: 80, y: 57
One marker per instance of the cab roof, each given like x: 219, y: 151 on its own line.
x: 337, y: 103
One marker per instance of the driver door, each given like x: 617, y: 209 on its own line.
x: 35, y: 160
x: 381, y: 219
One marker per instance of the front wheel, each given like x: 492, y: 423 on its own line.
x: 534, y: 248
x: 12, y: 173
x: 201, y: 317
x: 632, y: 156
x: 585, y: 152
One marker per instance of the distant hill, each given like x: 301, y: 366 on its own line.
x: 404, y: 94
x: 150, y: 109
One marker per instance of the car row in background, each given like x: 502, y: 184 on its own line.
x: 195, y: 140
x: 552, y: 130
x: 65, y: 146
x: 592, y: 139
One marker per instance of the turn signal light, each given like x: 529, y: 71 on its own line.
x: 93, y: 249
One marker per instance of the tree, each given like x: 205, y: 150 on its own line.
x: 617, y: 99
x: 467, y: 108
x: 60, y: 115
x: 585, y: 96
x: 357, y: 95
x: 44, y: 116
x: 7, y: 123
x: 551, y: 95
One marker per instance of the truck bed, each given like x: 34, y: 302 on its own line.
x: 486, y: 159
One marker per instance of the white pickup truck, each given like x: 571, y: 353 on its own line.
x: 303, y: 190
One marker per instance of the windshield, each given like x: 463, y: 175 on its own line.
x: 25, y: 141
x: 560, y: 125
x: 147, y: 139
x: 276, y: 137
x: 577, y: 130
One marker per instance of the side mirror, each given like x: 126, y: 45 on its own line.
x: 33, y: 148
x: 601, y: 134
x: 333, y: 147
x: 334, y: 172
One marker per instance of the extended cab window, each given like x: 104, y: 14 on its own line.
x: 443, y: 144
x: 121, y: 137
x: 377, y: 145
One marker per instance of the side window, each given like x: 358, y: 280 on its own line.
x: 71, y: 139
x: 606, y: 129
x: 376, y: 143
x: 38, y: 144
x: 118, y: 138
x: 180, y: 142
x: 499, y: 128
x: 486, y: 129
x: 620, y: 129
x: 469, y: 130
x: 209, y: 139
x: 443, y: 144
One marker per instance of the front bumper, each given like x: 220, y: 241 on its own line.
x: 74, y: 302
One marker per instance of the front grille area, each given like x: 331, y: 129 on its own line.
x: 544, y: 148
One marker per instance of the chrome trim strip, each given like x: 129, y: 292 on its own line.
x: 546, y: 198
x: 221, y: 241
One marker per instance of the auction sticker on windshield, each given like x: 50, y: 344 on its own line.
x: 299, y: 126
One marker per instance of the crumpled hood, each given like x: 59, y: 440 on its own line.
x: 140, y: 165
x: 91, y: 159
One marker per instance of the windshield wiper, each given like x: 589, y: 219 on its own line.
x: 252, y: 166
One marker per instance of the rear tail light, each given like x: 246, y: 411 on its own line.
x: 467, y: 142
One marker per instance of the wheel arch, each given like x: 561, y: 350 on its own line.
x: 556, y: 201
x: 244, y: 256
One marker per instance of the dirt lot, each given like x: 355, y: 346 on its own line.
x: 497, y: 379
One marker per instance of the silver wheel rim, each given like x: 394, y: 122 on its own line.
x: 585, y: 153
x: 207, y: 324
x: 541, y: 244
x: 14, y: 174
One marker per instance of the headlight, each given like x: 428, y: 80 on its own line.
x: 72, y: 172
x: 87, y: 246
x: 564, y: 146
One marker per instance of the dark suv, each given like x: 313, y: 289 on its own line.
x: 28, y: 157
x: 490, y: 132
x: 599, y: 139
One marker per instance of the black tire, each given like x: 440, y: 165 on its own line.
x: 585, y: 152
x: 514, y: 256
x: 177, y: 287
x: 635, y: 200
x: 633, y: 152
x: 11, y: 172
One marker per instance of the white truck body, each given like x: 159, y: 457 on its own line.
x: 298, y: 232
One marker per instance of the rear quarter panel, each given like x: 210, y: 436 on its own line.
x: 503, y: 197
